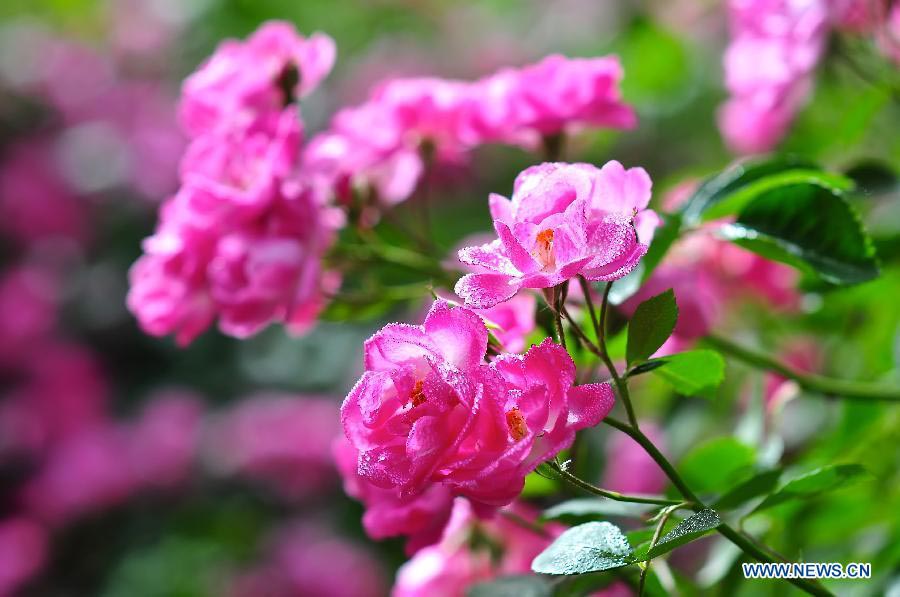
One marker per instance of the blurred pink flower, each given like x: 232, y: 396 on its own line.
x: 428, y: 409
x: 23, y: 551
x: 164, y: 440
x: 775, y: 46
x: 699, y: 296
x: 82, y: 474
x: 305, y: 559
x: 564, y: 220
x: 243, y: 239
x: 428, y: 110
x: 802, y: 354
x: 364, y: 151
x: 420, y: 517
x: 35, y: 201
x: 245, y: 82
x: 62, y: 393
x: 28, y: 303
x: 556, y: 95
x: 282, y: 441
x: 460, y: 559
x: 889, y: 35
x: 629, y: 469
x: 512, y: 321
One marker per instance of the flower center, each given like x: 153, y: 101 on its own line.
x: 418, y: 395
x: 543, y: 248
x: 515, y: 421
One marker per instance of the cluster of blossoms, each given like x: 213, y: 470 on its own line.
x: 384, y: 145
x: 243, y: 238
x: 775, y: 47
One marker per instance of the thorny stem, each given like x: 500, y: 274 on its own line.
x: 724, y: 529
x: 613, y: 495
x: 600, y: 330
x: 827, y: 386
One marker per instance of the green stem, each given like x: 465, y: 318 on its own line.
x: 724, y: 529
x: 557, y: 321
x: 664, y: 517
x: 600, y: 330
x: 579, y: 333
x: 613, y: 495
x: 396, y: 255
x: 828, y: 386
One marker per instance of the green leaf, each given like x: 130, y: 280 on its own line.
x: 690, y: 372
x: 663, y: 238
x: 809, y: 227
x: 512, y: 586
x: 586, y: 509
x: 753, y: 487
x: 651, y: 325
x: 590, y: 547
x: 821, y: 480
x: 719, y: 186
x: 716, y: 464
x: 734, y: 202
x: 687, y: 530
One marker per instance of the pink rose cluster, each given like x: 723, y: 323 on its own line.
x: 382, y: 145
x: 775, y: 47
x: 563, y: 221
x: 243, y: 238
x: 430, y: 419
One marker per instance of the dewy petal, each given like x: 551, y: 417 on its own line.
x: 519, y: 257
x: 646, y: 223
x: 588, y: 404
x: 490, y: 257
x: 501, y: 208
x: 459, y: 334
x: 482, y: 291
x: 618, y: 268
x: 623, y: 191
x: 396, y: 344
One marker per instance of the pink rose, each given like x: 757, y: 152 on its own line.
x: 564, y: 220
x: 243, y: 83
x: 388, y: 514
x: 775, y: 46
x: 556, y: 95
x: 429, y: 410
x: 364, y: 150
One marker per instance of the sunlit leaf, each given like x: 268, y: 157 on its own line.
x: 590, y: 547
